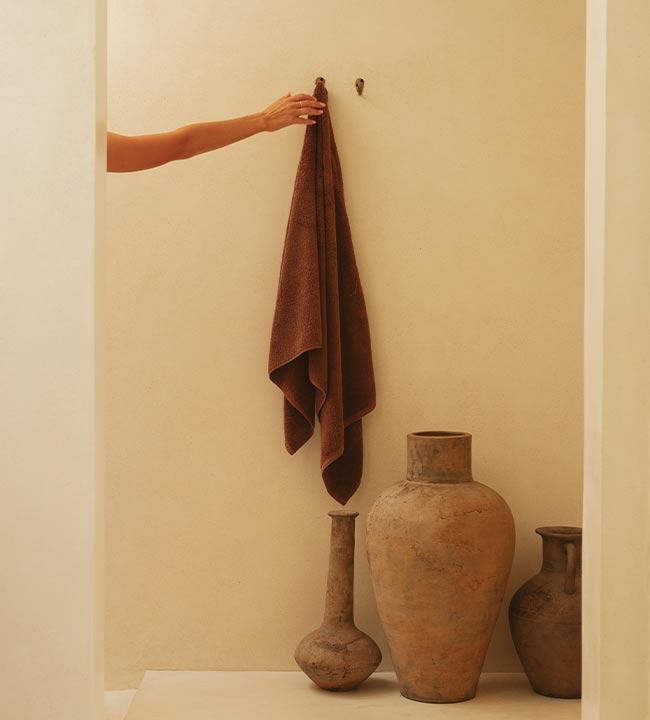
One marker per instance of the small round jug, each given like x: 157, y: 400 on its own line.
x: 545, y: 616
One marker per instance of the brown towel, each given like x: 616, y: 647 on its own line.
x: 320, y: 345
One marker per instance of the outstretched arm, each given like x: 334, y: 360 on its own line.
x: 130, y: 153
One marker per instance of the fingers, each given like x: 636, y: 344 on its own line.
x: 293, y: 110
x: 303, y: 96
x: 307, y: 107
x: 306, y: 102
x: 309, y: 103
x: 308, y: 111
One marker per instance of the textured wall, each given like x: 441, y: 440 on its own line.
x: 463, y: 165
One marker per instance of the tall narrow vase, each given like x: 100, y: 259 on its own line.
x: 440, y: 548
x: 338, y: 656
x: 545, y: 616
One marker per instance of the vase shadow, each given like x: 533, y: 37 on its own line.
x: 372, y: 687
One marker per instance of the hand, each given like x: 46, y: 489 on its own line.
x: 289, y: 110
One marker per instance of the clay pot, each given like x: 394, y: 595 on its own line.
x: 440, y: 548
x: 545, y: 616
x: 338, y: 656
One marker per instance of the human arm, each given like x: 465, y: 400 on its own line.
x: 131, y: 153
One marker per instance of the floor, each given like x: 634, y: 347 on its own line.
x: 168, y: 695
x: 116, y: 704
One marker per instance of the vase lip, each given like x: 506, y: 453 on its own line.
x: 343, y: 513
x: 439, y: 434
x: 562, y: 532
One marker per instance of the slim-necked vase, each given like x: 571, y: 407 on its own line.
x: 339, y: 656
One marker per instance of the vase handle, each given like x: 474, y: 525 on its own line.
x: 571, y: 569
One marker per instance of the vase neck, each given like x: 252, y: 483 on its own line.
x: 554, y: 548
x: 339, y: 599
x: 439, y: 457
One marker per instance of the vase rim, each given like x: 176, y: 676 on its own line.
x: 563, y: 532
x: 440, y: 434
x: 343, y: 513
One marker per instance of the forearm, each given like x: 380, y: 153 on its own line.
x: 203, y: 137
x: 141, y: 152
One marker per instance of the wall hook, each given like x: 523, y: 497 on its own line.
x: 359, y: 85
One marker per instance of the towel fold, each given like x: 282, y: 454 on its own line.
x: 320, y: 354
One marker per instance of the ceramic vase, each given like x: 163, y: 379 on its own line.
x: 545, y: 616
x: 338, y: 656
x: 440, y: 548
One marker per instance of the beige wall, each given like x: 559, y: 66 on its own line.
x: 616, y: 634
x: 463, y: 164
x: 52, y: 188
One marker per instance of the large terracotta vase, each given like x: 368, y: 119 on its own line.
x: 440, y: 548
x: 338, y: 656
x: 545, y: 616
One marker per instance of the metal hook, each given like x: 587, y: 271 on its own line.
x: 359, y: 85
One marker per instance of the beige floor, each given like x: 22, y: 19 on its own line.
x: 290, y: 696
x: 116, y: 704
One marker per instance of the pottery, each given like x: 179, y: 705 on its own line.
x: 440, y: 547
x: 338, y: 656
x: 545, y: 616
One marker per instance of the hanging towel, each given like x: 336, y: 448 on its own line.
x: 320, y: 344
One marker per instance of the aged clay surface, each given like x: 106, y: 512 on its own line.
x: 545, y: 616
x: 338, y: 656
x: 440, y: 548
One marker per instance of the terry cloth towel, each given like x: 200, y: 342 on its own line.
x: 320, y: 344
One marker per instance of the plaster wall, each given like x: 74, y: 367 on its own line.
x: 463, y: 166
x: 616, y: 645
x: 52, y: 184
